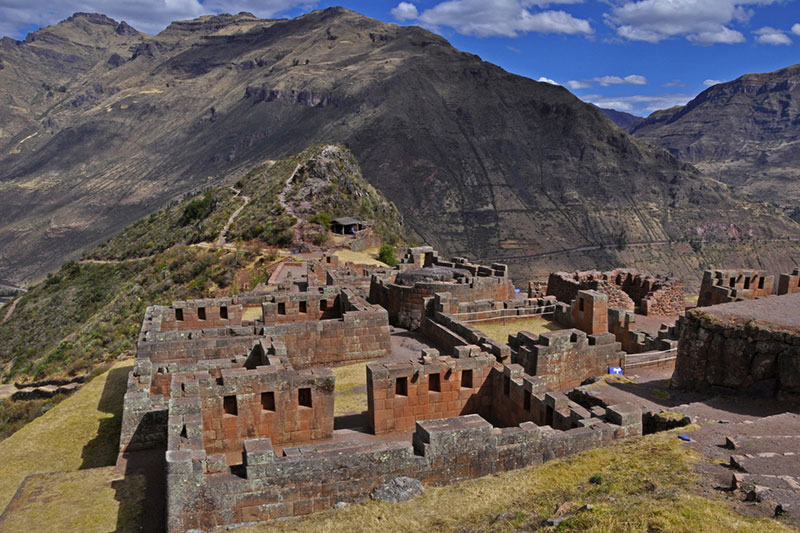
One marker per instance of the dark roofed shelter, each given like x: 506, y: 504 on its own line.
x: 347, y: 225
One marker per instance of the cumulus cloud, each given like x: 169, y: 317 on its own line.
x: 548, y: 80
x: 150, y: 16
x: 796, y: 29
x: 638, y: 104
x: 509, y: 18
x: 633, y: 79
x: 675, y: 83
x: 699, y: 21
x: 405, y: 11
x: 769, y: 35
x: 709, y: 83
x: 575, y: 85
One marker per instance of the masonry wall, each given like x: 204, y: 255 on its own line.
x: 734, y: 357
x: 400, y: 393
x: 565, y: 358
x: 723, y: 286
x: 314, y: 478
x: 274, y: 402
x: 789, y: 283
x: 625, y: 288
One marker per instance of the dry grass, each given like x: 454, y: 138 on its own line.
x: 350, y: 396
x: 644, y: 485
x: 500, y: 330
x: 362, y: 258
x: 85, y: 500
x: 80, y: 432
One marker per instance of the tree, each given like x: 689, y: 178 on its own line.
x: 386, y: 255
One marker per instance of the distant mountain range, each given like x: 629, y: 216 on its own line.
x: 745, y: 133
x: 101, y: 125
x: 620, y: 118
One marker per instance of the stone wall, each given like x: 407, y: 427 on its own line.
x: 625, y: 288
x: 622, y: 324
x: 789, y: 283
x: 565, y: 358
x: 314, y: 478
x: 588, y: 312
x: 723, y: 286
x: 742, y: 347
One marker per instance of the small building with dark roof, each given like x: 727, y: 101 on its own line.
x: 348, y: 225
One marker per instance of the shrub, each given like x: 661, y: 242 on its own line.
x: 323, y: 219
x: 197, y: 209
x: 386, y: 255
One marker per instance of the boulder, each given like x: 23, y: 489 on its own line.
x: 399, y: 489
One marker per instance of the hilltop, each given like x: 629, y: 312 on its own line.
x: 104, y: 124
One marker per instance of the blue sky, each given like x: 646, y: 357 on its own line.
x: 631, y: 55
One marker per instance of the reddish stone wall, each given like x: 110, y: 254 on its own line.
x: 723, y: 286
x: 789, y: 283
x: 399, y: 393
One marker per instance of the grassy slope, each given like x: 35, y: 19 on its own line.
x: 91, y: 311
x: 81, y: 431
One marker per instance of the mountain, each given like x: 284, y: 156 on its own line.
x: 620, y: 118
x: 90, y: 310
x: 103, y: 125
x: 745, y: 132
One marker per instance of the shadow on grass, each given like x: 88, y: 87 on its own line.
x: 102, y: 450
x: 142, y: 492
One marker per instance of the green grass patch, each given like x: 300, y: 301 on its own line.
x: 499, y: 330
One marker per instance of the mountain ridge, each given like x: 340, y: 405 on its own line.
x: 480, y: 162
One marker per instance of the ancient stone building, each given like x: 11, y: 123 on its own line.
x: 722, y: 286
x: 625, y: 288
x: 789, y: 283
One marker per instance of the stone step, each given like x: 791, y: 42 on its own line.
x: 763, y: 443
x: 785, y: 464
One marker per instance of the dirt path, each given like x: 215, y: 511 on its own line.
x: 222, y: 234
x: 288, y: 208
x: 11, y: 308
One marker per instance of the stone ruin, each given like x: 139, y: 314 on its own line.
x: 239, y: 391
x: 723, y: 286
x: 625, y: 288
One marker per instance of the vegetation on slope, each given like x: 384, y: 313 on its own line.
x: 90, y: 311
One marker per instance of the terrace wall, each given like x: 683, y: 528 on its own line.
x: 723, y: 286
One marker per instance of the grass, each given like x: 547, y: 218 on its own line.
x: 80, y: 432
x: 350, y: 395
x: 361, y: 258
x: 86, y: 500
x: 660, y: 394
x: 499, y: 330
x: 644, y: 485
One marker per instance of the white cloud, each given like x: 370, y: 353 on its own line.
x: 633, y: 79
x: 675, y: 83
x: 769, y: 35
x: 405, y: 11
x: 638, y: 104
x: 548, y: 80
x: 796, y: 29
x: 699, y: 21
x: 709, y: 83
x: 509, y: 18
x: 575, y: 85
x: 150, y: 16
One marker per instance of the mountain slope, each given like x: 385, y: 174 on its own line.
x: 745, y: 132
x: 480, y: 162
x: 620, y: 118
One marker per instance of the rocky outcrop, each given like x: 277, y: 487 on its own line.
x: 294, y: 97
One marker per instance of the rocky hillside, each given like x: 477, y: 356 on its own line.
x: 745, y: 132
x: 480, y: 162
x: 620, y: 118
x: 91, y: 310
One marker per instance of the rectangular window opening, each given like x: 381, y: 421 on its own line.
x: 761, y: 282
x: 733, y: 282
x: 323, y: 305
x: 527, y: 401
x: 268, y: 401
x: 281, y: 308
x: 229, y: 405
x: 746, y: 283
x: 304, y: 397
x: 580, y: 304
x: 401, y: 387
x: 303, y: 307
x: 507, y: 385
x: 435, y: 383
x: 466, y: 379
x: 179, y: 315
x: 223, y: 312
x: 201, y: 313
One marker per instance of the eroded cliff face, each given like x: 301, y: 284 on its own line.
x: 480, y: 162
x: 744, y: 132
